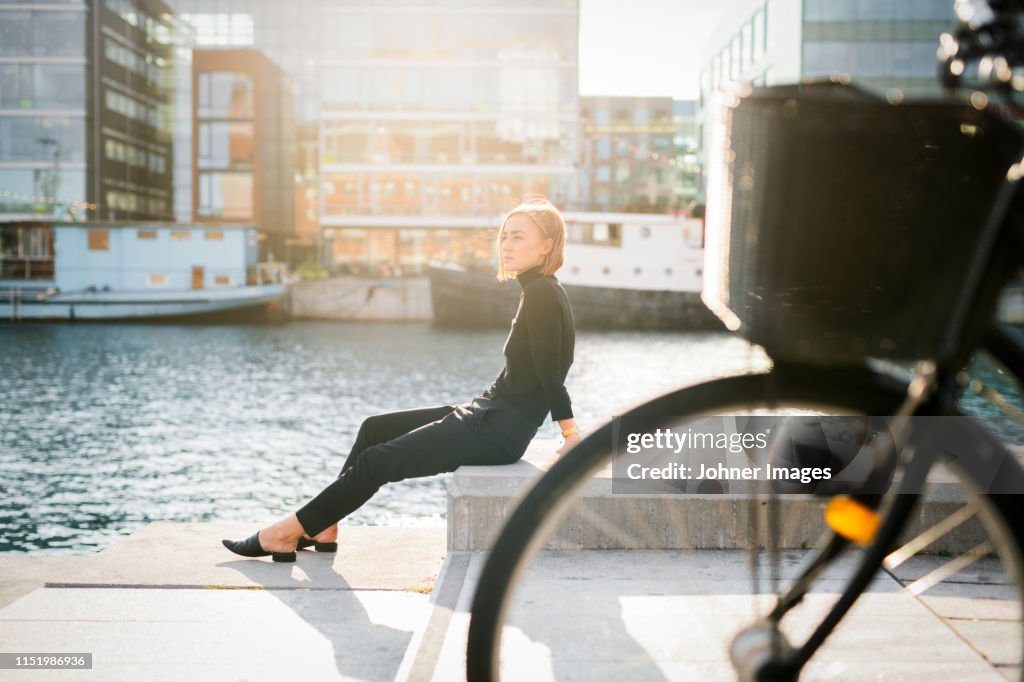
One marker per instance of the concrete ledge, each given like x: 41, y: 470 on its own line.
x: 480, y: 499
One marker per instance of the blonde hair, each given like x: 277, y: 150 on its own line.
x: 547, y: 217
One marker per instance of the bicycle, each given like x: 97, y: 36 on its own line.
x: 833, y: 347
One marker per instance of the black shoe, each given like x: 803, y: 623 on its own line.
x: 251, y: 547
x: 319, y: 546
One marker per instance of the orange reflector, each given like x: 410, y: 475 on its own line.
x: 851, y: 519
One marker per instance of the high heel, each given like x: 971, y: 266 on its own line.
x: 251, y: 547
x: 319, y: 546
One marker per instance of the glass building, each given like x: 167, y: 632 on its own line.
x: 287, y: 33
x: 85, y: 125
x: 628, y: 147
x: 684, y: 116
x: 244, y: 144
x: 43, y: 110
x: 418, y: 123
x: 879, y: 44
x: 436, y: 118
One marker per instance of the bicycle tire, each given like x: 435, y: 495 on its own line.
x: 838, y: 391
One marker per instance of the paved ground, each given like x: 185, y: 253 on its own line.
x: 169, y: 603
x: 668, y: 615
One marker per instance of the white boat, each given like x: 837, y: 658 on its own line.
x: 621, y: 271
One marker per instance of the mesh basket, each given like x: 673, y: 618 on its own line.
x: 840, y: 226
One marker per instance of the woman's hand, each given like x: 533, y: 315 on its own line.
x: 570, y: 441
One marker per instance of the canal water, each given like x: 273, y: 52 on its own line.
x: 105, y: 428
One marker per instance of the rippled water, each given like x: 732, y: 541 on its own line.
x: 104, y: 428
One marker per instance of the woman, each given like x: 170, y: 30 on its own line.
x: 494, y: 428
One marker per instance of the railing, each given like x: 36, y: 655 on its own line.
x: 268, y: 273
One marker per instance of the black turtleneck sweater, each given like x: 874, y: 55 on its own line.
x: 538, y: 351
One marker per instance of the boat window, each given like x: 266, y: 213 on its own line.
x: 99, y: 240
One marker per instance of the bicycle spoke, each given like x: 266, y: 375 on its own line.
x: 930, y: 536
x: 949, y: 568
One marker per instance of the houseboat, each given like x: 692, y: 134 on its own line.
x: 109, y: 272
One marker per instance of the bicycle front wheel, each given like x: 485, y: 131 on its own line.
x: 647, y: 607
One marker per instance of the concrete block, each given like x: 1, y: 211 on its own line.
x: 480, y: 500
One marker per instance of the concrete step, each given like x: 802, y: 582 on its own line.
x: 480, y: 499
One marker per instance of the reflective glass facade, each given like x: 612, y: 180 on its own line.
x: 287, y: 33
x: 629, y: 154
x: 881, y: 45
x: 878, y: 43
x: 43, y: 102
x: 442, y: 111
x: 244, y: 142
x: 409, y: 110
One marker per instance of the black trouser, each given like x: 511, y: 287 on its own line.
x: 421, y: 442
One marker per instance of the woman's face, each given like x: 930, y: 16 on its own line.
x: 523, y: 245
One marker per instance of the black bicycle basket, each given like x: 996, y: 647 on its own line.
x: 840, y: 226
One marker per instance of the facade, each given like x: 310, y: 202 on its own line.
x: 243, y: 146
x: 44, y: 107
x: 84, y: 121
x: 629, y: 154
x: 881, y: 45
x: 435, y: 119
x: 687, y: 147
x: 132, y: 81
x: 288, y: 34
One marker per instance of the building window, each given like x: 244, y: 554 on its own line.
x: 213, y: 236
x: 226, y: 144
x: 146, y: 234
x: 622, y: 173
x: 764, y: 28
x: 226, y: 195
x: 746, y: 44
x: 99, y: 240
x: 222, y: 280
x: 758, y: 35
x: 224, y: 94
x: 157, y: 280
x: 181, y: 235
x: 735, y: 48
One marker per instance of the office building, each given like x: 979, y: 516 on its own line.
x: 243, y: 145
x: 85, y: 125
x: 629, y: 154
x: 881, y: 45
x: 435, y: 119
